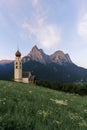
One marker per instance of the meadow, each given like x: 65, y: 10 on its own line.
x: 30, y: 107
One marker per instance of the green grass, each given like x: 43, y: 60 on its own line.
x: 28, y: 107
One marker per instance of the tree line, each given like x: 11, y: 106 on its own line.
x: 78, y: 88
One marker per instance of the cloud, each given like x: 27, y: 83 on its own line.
x: 47, y: 35
x: 82, y: 26
x: 82, y: 19
x: 9, y: 3
x: 35, y: 2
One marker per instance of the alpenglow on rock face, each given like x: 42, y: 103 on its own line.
x: 38, y: 55
x: 60, y: 58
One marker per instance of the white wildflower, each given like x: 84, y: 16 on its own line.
x: 83, y: 123
x: 3, y: 100
x: 43, y: 113
x: 3, y: 103
x: 74, y: 116
x: 85, y: 110
x: 57, y: 122
x: 61, y: 102
x: 30, y: 91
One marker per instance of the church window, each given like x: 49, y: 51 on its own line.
x: 16, y: 63
x: 16, y: 67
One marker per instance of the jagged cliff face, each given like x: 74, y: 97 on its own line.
x: 38, y: 55
x: 60, y: 58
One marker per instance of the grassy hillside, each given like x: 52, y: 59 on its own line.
x: 28, y: 107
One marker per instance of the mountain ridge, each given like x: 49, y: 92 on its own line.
x: 38, y: 55
x: 5, y: 61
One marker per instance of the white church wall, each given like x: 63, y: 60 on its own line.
x: 25, y: 80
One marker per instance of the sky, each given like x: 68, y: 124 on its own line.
x: 50, y: 24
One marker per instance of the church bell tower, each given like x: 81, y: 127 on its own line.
x: 18, y: 67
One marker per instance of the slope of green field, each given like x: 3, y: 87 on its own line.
x: 29, y: 107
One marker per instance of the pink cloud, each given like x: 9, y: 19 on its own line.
x: 35, y: 2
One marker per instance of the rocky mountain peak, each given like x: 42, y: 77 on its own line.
x: 34, y: 48
x: 60, y: 57
x: 38, y: 55
x: 59, y: 52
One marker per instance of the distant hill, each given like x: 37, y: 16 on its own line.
x: 7, y: 71
x: 56, y: 72
x: 57, y: 66
x: 5, y: 61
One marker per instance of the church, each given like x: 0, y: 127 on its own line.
x: 20, y: 76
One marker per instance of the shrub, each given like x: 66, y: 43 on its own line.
x: 77, y: 88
